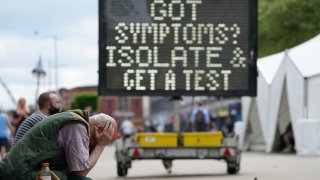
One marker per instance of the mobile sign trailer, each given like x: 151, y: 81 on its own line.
x: 171, y: 146
x: 177, y: 48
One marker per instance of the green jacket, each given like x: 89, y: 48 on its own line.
x: 40, y: 145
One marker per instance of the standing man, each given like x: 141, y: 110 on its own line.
x: 49, y: 104
x: 200, y: 118
x: 127, y: 128
x: 5, y: 125
x: 70, y: 141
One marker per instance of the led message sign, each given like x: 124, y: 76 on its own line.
x: 177, y: 47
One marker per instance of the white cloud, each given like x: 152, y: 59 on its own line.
x: 77, y: 53
x: 3, y: 53
x: 85, y: 28
x: 71, y: 77
x: 75, y: 23
x: 18, y: 91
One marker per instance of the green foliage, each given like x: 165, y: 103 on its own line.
x: 82, y: 100
x: 286, y: 23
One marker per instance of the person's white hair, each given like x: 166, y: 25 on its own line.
x: 101, y: 118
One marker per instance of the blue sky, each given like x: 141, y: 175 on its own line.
x: 74, y: 22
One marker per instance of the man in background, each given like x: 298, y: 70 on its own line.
x: 200, y: 119
x: 49, y: 104
x: 5, y: 125
x: 127, y: 128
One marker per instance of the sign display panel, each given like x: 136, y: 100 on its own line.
x: 177, y: 47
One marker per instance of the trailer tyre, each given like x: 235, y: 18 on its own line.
x: 121, y: 169
x: 234, y: 169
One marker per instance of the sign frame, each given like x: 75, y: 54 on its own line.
x: 252, y: 67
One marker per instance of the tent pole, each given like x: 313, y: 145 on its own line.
x: 305, y: 98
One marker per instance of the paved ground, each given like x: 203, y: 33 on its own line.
x: 259, y: 166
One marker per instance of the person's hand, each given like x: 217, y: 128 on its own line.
x: 105, y: 136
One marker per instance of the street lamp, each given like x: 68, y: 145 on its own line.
x: 55, y: 38
x: 38, y: 72
x: 55, y: 58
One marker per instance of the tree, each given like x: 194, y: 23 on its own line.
x: 82, y: 100
x: 286, y: 23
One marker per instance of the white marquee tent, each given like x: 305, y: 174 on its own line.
x: 303, y: 84
x: 288, y: 91
x: 256, y: 111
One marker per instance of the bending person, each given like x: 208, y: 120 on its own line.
x: 70, y: 141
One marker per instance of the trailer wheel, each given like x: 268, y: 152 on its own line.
x: 121, y: 169
x: 233, y: 167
